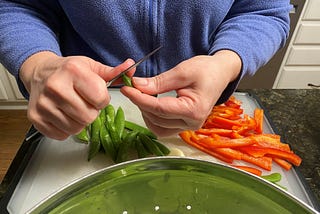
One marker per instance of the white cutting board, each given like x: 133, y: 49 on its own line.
x: 57, y: 163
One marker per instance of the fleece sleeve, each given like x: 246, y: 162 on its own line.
x: 255, y: 30
x: 22, y: 22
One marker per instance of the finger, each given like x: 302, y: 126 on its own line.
x: 50, y: 131
x: 72, y: 105
x: 78, y: 101
x: 164, y: 122
x: 48, y: 111
x: 166, y: 107
x: 107, y: 73
x: 44, y: 127
x: 161, y: 131
x: 164, y: 82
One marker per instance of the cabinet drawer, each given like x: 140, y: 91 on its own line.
x: 308, y: 34
x: 298, y: 77
x: 304, y: 55
x: 312, y: 11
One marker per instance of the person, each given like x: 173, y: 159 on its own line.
x: 62, y: 53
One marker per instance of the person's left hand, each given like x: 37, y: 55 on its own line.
x: 198, y: 83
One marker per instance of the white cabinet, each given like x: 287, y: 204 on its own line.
x: 301, y: 64
x: 10, y: 96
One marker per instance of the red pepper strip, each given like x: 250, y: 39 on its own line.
x: 225, y: 143
x: 227, y: 109
x: 235, y: 135
x: 284, y: 164
x: 225, y: 123
x: 229, y: 153
x: 186, y: 136
x: 271, y: 142
x: 256, y: 151
x: 274, y: 136
x: 249, y: 169
x: 210, y: 124
x: 226, y: 115
x: 263, y: 162
x: 233, y: 102
x: 258, y: 117
x: 221, y: 132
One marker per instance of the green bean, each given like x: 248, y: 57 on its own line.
x: 119, y: 121
x: 95, y: 144
x: 127, y: 80
x: 150, y: 145
x: 135, y: 127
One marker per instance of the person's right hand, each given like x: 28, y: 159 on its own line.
x: 66, y: 93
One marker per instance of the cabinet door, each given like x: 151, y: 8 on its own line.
x: 3, y: 93
x: 9, y: 90
x: 15, y: 88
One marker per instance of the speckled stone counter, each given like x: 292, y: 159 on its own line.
x: 295, y: 115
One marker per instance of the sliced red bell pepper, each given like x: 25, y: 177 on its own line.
x: 218, y: 131
x: 263, y: 162
x: 257, y: 151
x: 270, y: 141
x: 186, y: 136
x: 229, y: 153
x: 284, y: 164
x: 210, y: 142
x: 249, y: 169
x: 258, y: 117
x: 233, y: 102
x: 225, y: 123
x: 227, y: 109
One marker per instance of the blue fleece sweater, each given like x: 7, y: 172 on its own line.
x: 112, y: 31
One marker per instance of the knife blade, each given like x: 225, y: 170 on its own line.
x: 133, y: 66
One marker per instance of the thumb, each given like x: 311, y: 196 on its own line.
x: 164, y: 82
x: 107, y: 73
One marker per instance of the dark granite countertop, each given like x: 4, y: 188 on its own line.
x: 295, y: 115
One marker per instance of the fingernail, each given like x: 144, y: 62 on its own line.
x: 140, y: 81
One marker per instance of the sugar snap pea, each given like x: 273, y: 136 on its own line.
x: 119, y: 121
x: 94, y: 145
x: 162, y: 147
x: 150, y: 145
x: 141, y: 150
x: 110, y: 119
x: 102, y: 115
x: 83, y: 135
x: 135, y: 127
x: 117, y: 137
x: 125, y: 146
x: 127, y: 80
x: 109, y: 113
x: 107, y: 143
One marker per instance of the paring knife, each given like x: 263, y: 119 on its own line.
x: 133, y: 66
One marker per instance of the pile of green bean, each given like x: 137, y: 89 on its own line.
x: 118, y: 138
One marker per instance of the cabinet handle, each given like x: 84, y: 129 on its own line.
x: 313, y: 85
